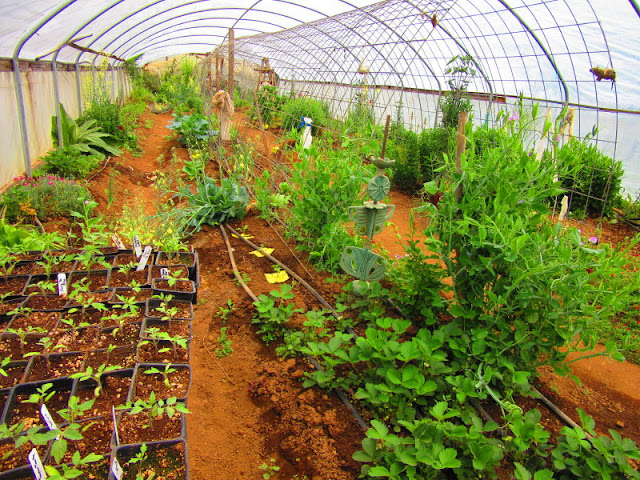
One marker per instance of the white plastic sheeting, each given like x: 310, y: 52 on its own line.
x: 540, y: 48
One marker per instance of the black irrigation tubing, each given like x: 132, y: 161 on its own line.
x: 559, y: 413
x: 313, y: 362
x: 297, y: 277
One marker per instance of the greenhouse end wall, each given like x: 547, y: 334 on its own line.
x: 39, y: 106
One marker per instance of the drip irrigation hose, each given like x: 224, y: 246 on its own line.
x: 297, y: 277
x: 563, y: 416
x: 236, y: 273
x: 311, y: 360
x: 477, y: 406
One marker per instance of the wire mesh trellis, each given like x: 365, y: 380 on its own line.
x: 542, y: 51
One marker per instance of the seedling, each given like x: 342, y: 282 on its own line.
x: 164, y: 372
x: 270, y: 469
x: 42, y: 395
x: 22, y: 334
x: 224, y: 350
x: 224, y: 313
x: 155, y: 408
x: 96, y: 375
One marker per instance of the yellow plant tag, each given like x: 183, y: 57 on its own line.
x: 261, y: 251
x: 277, y: 277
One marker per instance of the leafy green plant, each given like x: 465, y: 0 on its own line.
x: 155, y: 408
x: 225, y: 312
x: 272, y: 313
x: 194, y: 130
x: 269, y: 103
x: 96, y: 375
x: 224, y: 348
x: 575, y: 456
x: 270, y: 469
x: 321, y: 192
x: 86, y: 136
x: 70, y: 161
x: 165, y: 372
x: 213, y: 204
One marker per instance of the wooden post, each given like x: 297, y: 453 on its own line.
x: 386, y: 135
x: 218, y: 71
x: 463, y: 117
x: 230, y: 86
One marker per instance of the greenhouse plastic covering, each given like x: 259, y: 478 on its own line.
x: 542, y: 49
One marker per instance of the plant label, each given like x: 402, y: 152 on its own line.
x: 116, y: 469
x: 36, y: 465
x: 117, y: 242
x: 137, y: 246
x: 48, y: 419
x: 164, y: 273
x: 62, y: 284
x: 115, y: 424
x: 145, y: 258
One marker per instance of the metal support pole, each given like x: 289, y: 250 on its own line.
x: 56, y: 98
x: 78, y: 89
x: 17, y: 80
x: 230, y: 87
x: 113, y: 83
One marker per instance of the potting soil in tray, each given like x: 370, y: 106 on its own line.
x: 150, y: 354
x: 96, y: 438
x: 14, y: 374
x: 124, y: 357
x: 55, y: 366
x: 44, y: 320
x: 154, y: 382
x: 11, y: 458
x: 29, y: 413
x: 139, y: 428
x: 115, y: 389
x: 166, y: 461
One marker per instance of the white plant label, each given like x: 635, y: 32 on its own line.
x: 137, y: 246
x: 36, y: 465
x: 48, y: 419
x: 62, y: 284
x: 117, y: 242
x: 116, y: 469
x: 115, y: 424
x: 145, y: 258
x: 164, y: 273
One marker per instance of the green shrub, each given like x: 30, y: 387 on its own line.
x: 594, y: 179
x: 295, y: 109
x: 69, y: 161
x: 434, y: 143
x: 107, y: 118
x: 46, y: 197
x: 151, y: 81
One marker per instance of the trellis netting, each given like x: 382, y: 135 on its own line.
x: 396, y: 52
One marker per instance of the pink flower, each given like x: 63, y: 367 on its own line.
x: 594, y: 240
x: 50, y: 182
x: 515, y: 116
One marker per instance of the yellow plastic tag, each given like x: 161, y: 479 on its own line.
x: 277, y: 277
x: 260, y: 252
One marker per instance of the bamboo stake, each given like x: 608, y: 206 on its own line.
x: 463, y: 117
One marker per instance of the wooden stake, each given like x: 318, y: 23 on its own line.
x: 386, y: 135
x: 463, y: 117
x: 231, y: 85
x: 218, y: 71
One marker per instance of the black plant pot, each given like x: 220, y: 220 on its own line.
x: 153, y: 303
x: 181, y: 290
x: 174, y: 453
x: 165, y: 392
